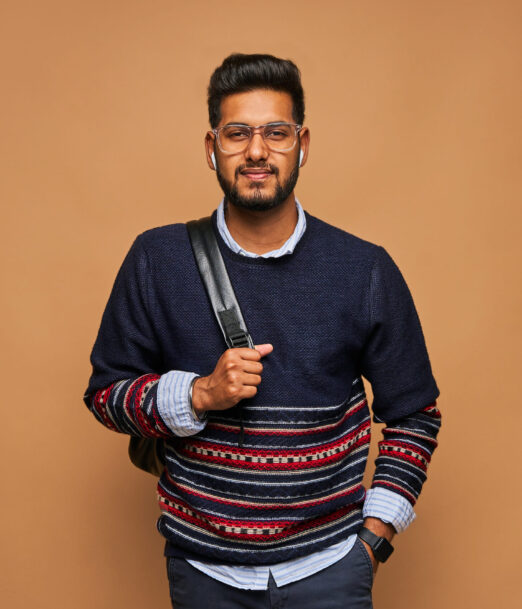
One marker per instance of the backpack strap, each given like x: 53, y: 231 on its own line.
x: 217, y: 283
x: 148, y: 453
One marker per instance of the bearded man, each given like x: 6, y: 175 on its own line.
x: 265, y: 448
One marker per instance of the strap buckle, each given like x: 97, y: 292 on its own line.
x: 236, y: 337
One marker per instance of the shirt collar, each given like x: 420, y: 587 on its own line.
x: 287, y: 248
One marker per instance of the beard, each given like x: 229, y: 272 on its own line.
x: 257, y: 200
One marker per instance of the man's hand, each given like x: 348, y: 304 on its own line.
x: 236, y: 377
x: 380, y: 528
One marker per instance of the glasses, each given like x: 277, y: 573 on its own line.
x: 279, y: 137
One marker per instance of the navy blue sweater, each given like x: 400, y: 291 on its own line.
x: 336, y: 309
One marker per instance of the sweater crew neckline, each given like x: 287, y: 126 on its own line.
x: 260, y: 261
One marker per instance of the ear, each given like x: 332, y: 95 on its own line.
x: 304, y: 144
x: 209, y: 149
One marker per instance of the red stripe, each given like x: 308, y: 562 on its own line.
x: 394, y: 454
x: 414, y: 435
x: 231, y: 522
x: 278, y: 466
x: 280, y: 452
x: 100, y: 405
x: 414, y: 448
x: 402, y: 491
x: 432, y: 410
x: 136, y: 391
x: 308, y: 525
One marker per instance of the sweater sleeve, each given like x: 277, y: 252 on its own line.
x: 125, y: 389
x: 405, y: 453
x: 396, y: 363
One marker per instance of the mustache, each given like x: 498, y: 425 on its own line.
x: 272, y: 168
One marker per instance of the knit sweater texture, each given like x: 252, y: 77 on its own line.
x: 337, y: 309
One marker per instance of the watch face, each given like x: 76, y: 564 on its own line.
x: 380, y: 546
x: 382, y: 549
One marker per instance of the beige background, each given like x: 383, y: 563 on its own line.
x: 414, y: 110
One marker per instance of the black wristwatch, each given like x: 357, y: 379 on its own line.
x: 380, y: 546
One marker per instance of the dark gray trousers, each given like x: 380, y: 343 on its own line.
x: 347, y: 584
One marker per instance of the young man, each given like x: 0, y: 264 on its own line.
x: 278, y: 518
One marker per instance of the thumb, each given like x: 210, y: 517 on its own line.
x: 264, y: 349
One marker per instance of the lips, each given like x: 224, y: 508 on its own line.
x: 256, y: 174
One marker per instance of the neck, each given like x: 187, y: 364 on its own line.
x: 262, y: 231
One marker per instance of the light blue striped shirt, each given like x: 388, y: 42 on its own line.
x: 174, y: 407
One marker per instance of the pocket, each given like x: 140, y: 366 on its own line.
x: 367, y: 557
x: 176, y: 583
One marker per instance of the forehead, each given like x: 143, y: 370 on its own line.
x: 256, y: 107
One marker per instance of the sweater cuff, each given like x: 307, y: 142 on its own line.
x: 174, y: 405
x: 389, y: 507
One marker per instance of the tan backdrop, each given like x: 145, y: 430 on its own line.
x: 414, y: 110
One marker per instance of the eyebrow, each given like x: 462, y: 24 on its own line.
x: 234, y: 123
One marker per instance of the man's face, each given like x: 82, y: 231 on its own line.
x: 257, y: 178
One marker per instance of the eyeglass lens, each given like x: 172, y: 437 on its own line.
x: 235, y: 138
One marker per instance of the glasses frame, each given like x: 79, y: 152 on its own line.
x: 252, y: 131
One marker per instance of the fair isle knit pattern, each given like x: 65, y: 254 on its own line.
x: 275, y: 497
x: 209, y: 513
x: 405, y: 452
x: 336, y: 309
x: 130, y: 406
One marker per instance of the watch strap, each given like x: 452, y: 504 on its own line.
x: 381, y: 547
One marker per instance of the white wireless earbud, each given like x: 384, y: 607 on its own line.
x: 213, y: 159
x: 301, y: 155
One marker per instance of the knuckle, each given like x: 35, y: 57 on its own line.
x: 233, y: 391
x: 232, y: 377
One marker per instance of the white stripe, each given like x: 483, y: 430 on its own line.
x: 306, y: 408
x: 251, y: 445
x: 264, y: 497
x: 390, y: 463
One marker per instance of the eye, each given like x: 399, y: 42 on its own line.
x: 277, y: 132
x: 235, y: 133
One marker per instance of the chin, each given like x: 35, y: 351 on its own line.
x: 258, y: 197
x: 255, y: 203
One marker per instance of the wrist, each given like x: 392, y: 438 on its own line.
x: 195, y: 400
x: 379, y: 548
x: 379, y: 527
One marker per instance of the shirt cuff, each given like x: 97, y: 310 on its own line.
x: 174, y: 406
x: 389, y: 507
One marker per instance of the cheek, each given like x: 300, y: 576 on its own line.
x: 227, y: 170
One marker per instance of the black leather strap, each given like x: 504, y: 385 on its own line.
x: 380, y: 546
x: 217, y: 283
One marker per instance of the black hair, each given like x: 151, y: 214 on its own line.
x: 240, y: 72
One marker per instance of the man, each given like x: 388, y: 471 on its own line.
x: 261, y: 495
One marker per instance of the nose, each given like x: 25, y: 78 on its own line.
x: 257, y: 150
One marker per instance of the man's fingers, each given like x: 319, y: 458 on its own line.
x: 251, y: 354
x: 248, y: 391
x: 264, y: 349
x: 245, y: 353
x: 251, y: 379
x: 252, y: 367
